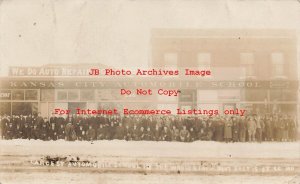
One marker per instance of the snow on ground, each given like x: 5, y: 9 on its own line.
x: 15, y: 167
x: 204, y: 149
x: 88, y: 178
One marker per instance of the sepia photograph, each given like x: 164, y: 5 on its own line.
x: 150, y: 92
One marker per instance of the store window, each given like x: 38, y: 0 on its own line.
x: 47, y: 95
x: 17, y: 94
x: 87, y: 95
x: 73, y: 95
x: 62, y: 95
x: 254, y: 95
x: 24, y: 108
x: 31, y: 94
x: 229, y: 95
x: 106, y: 95
x: 283, y: 95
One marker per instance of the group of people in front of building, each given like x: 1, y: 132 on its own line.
x: 151, y: 128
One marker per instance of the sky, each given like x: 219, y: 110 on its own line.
x: 117, y: 32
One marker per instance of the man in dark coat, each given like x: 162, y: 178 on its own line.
x: 259, y: 128
x: 35, y: 132
x: 141, y: 133
x: 251, y: 128
x: 165, y: 134
x: 148, y: 134
x: 61, y: 131
x: 286, y: 129
x: 184, y: 134
x: 268, y: 129
x: 281, y: 128
x: 235, y: 129
x: 18, y: 132
x: 219, y: 133
x: 242, y: 129
x: 70, y: 134
x: 228, y: 130
x: 119, y: 132
x: 80, y: 133
x: 91, y: 133
x: 111, y: 131
x: 101, y: 132
x: 275, y: 123
x: 156, y: 133
x: 135, y: 133
x: 193, y: 135
x: 52, y: 134
x: 202, y: 134
x: 26, y: 130
x: 210, y: 129
x: 4, y: 124
x: 22, y: 121
x: 29, y: 120
x: 44, y: 131
x: 39, y: 121
x: 291, y: 129
x: 175, y: 134
x: 127, y: 133
x: 10, y: 131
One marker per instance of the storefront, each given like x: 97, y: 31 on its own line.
x: 33, y: 94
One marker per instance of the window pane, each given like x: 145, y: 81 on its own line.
x: 254, y: 95
x: 62, y: 95
x: 24, y: 108
x: 87, y: 95
x: 73, y: 95
x: 31, y: 95
x: 18, y: 94
x: 47, y: 95
x: 283, y: 95
x: 188, y: 96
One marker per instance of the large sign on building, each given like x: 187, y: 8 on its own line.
x: 154, y: 84
x: 49, y: 71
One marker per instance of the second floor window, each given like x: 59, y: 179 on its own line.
x: 171, y: 60
x: 277, y: 60
x: 247, y: 61
x: 204, y: 60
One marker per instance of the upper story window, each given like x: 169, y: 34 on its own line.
x: 277, y: 60
x: 204, y: 60
x: 171, y: 60
x: 247, y: 61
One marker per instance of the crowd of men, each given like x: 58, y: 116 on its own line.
x: 151, y: 128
